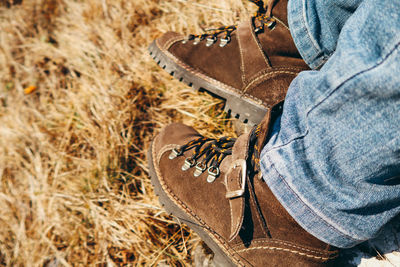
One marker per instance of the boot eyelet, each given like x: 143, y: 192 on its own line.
x: 213, y: 172
x: 174, y: 153
x: 189, y: 163
x: 200, y: 168
x: 224, y: 41
x: 259, y: 29
x: 188, y: 38
x: 271, y: 24
x: 211, y: 41
x: 197, y: 41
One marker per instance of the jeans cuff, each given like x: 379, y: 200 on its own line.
x: 308, y: 47
x: 302, y: 213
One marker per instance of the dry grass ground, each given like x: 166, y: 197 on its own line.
x: 80, y: 99
x: 74, y: 188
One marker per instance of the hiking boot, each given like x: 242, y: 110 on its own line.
x: 250, y: 65
x: 215, y: 187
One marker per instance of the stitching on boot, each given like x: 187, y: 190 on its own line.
x: 244, y: 79
x: 266, y: 71
x: 260, y: 79
x: 241, y: 59
x: 282, y: 23
x: 173, y: 41
x: 258, y: 45
x: 286, y: 250
x: 165, y: 149
x: 170, y: 42
x: 278, y: 242
x: 194, y: 72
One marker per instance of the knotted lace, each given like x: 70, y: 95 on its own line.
x: 209, y: 153
x: 211, y: 35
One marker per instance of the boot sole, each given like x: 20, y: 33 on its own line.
x: 220, y: 258
x: 245, y: 109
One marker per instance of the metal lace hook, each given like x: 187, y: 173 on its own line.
x: 200, y: 168
x: 211, y: 41
x: 225, y: 41
x: 189, y: 163
x: 213, y: 173
x: 175, y: 153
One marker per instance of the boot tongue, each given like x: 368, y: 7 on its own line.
x: 239, y: 152
x: 265, y: 124
x: 241, y: 147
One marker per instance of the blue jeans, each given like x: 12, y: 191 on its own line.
x: 333, y: 159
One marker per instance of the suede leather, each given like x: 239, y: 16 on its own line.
x: 274, y: 86
x: 252, y: 228
x: 266, y: 122
x: 237, y: 204
x: 190, y: 189
x: 233, y: 182
x: 279, y: 222
x: 278, y: 9
x: 256, y: 65
x: 253, y: 59
x: 220, y: 63
x: 267, y: 253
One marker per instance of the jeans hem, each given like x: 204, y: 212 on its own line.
x: 308, y: 48
x: 302, y: 213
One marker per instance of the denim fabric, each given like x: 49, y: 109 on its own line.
x: 333, y: 160
x: 316, y: 25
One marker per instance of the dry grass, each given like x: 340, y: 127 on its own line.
x: 80, y: 99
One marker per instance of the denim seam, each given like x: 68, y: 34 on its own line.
x: 307, y: 55
x: 306, y: 205
x: 314, y: 45
x: 324, y: 98
x: 310, y: 37
x: 323, y: 60
x: 287, y: 143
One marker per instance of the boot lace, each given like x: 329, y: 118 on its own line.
x: 211, y: 35
x: 209, y: 153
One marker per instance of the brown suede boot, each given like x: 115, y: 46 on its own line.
x: 250, y: 65
x: 212, y: 185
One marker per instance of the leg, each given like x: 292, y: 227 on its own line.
x: 333, y: 159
